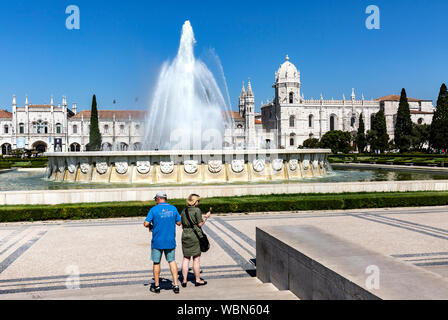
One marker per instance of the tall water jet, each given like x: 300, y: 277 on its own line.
x: 187, y: 110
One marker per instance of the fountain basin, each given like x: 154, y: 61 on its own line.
x: 187, y: 166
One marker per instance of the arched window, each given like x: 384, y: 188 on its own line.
x: 123, y: 146
x: 372, y: 120
x: 352, y: 122
x: 40, y: 127
x: 6, y: 148
x: 21, y: 128
x: 291, y: 139
x: 75, y: 129
x: 58, y: 128
x: 310, y: 120
x: 75, y: 147
x: 106, y: 146
x: 291, y: 97
x: 332, y: 122
x: 137, y: 146
x: 421, y: 121
x: 106, y: 128
x: 6, y: 129
x: 292, y: 121
x: 122, y: 128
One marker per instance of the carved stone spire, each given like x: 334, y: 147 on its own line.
x: 249, y: 89
x: 243, y: 91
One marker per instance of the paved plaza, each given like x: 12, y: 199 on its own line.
x: 41, y: 260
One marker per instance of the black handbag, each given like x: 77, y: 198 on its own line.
x: 203, y: 241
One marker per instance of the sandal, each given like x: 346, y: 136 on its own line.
x: 198, y: 284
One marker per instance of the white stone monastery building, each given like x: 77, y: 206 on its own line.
x: 48, y: 127
x: 285, y: 122
x: 295, y: 119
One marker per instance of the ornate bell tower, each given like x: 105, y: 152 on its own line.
x: 249, y: 115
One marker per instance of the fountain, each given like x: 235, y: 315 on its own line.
x: 188, y: 102
x: 184, y: 139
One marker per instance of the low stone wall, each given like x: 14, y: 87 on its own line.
x: 315, y: 265
x: 209, y: 191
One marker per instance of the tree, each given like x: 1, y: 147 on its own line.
x: 378, y: 137
x: 403, y: 125
x: 361, y: 139
x: 438, y: 138
x: 95, y: 135
x: 311, y: 143
x: 337, y: 141
x: 420, y: 136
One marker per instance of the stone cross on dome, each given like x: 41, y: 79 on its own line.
x: 287, y: 57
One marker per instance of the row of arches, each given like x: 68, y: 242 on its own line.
x: 39, y: 146
x: 106, y: 146
x: 106, y: 128
x: 42, y: 147
x: 38, y: 127
x: 333, y: 121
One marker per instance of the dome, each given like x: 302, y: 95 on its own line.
x: 287, y: 72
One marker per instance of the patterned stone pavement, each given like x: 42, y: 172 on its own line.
x: 111, y: 256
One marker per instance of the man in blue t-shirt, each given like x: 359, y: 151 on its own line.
x: 162, y: 219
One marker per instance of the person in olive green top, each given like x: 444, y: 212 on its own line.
x: 190, y: 242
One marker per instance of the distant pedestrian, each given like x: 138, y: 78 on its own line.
x: 192, y: 222
x: 162, y: 219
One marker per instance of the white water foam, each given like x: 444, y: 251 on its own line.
x: 187, y: 110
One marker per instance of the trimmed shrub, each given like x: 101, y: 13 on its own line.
x: 268, y: 203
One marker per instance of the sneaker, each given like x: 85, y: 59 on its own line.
x: 155, y: 289
x: 176, y: 289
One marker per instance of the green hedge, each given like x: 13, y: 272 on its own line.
x: 397, y: 159
x: 247, y: 204
x: 15, y: 162
x: 5, y: 165
x: 391, y: 155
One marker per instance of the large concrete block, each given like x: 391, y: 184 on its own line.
x: 319, y: 265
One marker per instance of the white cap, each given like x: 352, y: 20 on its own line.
x: 161, y: 194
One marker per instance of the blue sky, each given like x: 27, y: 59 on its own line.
x: 118, y: 51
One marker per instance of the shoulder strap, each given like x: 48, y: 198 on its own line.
x: 187, y: 214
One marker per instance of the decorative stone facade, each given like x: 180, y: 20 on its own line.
x: 290, y: 119
x: 51, y: 128
x: 285, y: 122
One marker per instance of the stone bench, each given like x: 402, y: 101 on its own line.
x: 314, y: 264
